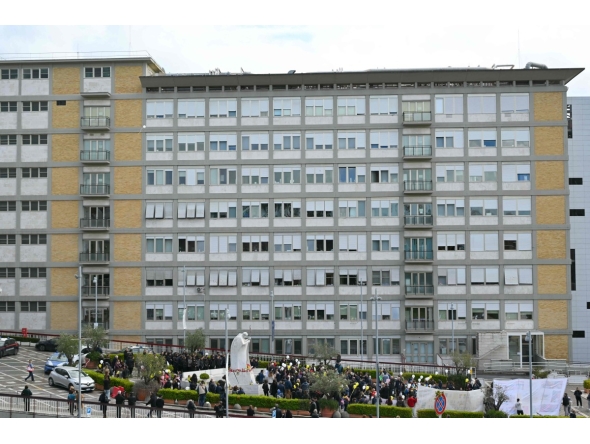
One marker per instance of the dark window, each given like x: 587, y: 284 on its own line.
x: 183, y: 89
x: 576, y: 181
x: 568, y: 114
x: 587, y: 305
x: 199, y: 88
x: 577, y: 212
x: 61, y: 103
x: 573, y: 268
x: 578, y: 334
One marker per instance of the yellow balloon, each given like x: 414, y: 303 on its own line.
x: 466, y: 379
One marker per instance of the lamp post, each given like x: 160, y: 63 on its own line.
x: 375, y: 299
x: 184, y: 306
x: 95, y: 282
x: 529, y: 338
x: 452, y: 329
x: 361, y: 316
x: 272, y: 322
x: 79, y: 277
x: 226, y: 367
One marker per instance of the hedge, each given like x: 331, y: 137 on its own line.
x: 115, y: 382
x: 587, y: 384
x: 430, y: 413
x: 495, y: 414
x: 541, y: 416
x: 435, y: 377
x: 185, y: 395
x: 385, y: 411
x: 23, y: 339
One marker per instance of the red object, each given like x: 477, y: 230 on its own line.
x: 115, y: 391
x: 412, y: 401
x: 440, y: 404
x: 24, y: 332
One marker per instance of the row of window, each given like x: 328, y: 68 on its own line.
x: 26, y: 239
x: 32, y: 307
x: 12, y: 107
x: 26, y: 205
x: 43, y: 73
x: 26, y: 173
x: 24, y: 272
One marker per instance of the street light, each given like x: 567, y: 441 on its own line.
x: 226, y: 367
x: 95, y: 281
x: 529, y: 338
x: 361, y: 283
x: 79, y: 277
x: 184, y: 306
x: 375, y: 299
x: 453, y: 329
x: 272, y: 322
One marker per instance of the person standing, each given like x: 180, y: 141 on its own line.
x: 202, y: 391
x: 30, y: 369
x: 71, y: 400
x: 26, y: 393
x: 578, y: 395
x: 250, y: 411
x: 106, y: 385
x: 565, y: 401
x: 159, y: 406
x: 191, y: 407
x: 412, y: 404
x: 119, y: 401
x: 131, y: 400
x: 518, y: 407
x: 152, y: 404
x: 104, y: 401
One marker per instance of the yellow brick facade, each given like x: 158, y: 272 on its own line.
x: 556, y: 347
x: 65, y: 181
x: 128, y: 147
x: 132, y: 339
x: 65, y: 214
x: 127, y: 79
x: 128, y: 113
x: 128, y: 180
x: 66, y: 116
x: 64, y: 315
x: 127, y: 247
x: 551, y: 279
x: 551, y: 244
x: 64, y: 247
x: 65, y: 148
x: 548, y: 106
x: 550, y: 175
x: 549, y: 141
x: 66, y: 80
x: 128, y: 213
x: 550, y: 210
x: 127, y: 281
x: 553, y: 314
x: 63, y: 282
x: 127, y: 316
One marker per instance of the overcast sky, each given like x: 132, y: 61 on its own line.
x: 392, y: 40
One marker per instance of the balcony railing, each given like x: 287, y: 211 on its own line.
x: 95, y: 122
x: 417, y: 185
x: 91, y: 290
x: 418, y: 255
x: 95, y: 223
x: 418, y: 151
x: 418, y: 221
x: 94, y: 257
x: 418, y: 290
x: 95, y: 156
x: 104, y: 325
x: 95, y: 190
x: 420, y: 325
x: 423, y: 116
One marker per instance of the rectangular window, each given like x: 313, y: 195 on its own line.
x: 319, y: 141
x: 444, y: 104
x: 319, y: 208
x: 287, y: 141
x: 254, y: 277
x: 159, y: 177
x: 7, y: 239
x: 34, y: 106
x: 8, y: 74
x: 484, y: 207
x: 517, y: 242
x: 6, y: 306
x: 6, y: 139
x: 387, y: 139
x: 320, y: 242
x: 384, y: 208
x: 97, y: 72
x: 481, y: 104
x: 35, y: 73
x: 319, y: 107
x: 255, y: 210
x: 29, y: 173
x: 34, y: 139
x: 8, y: 107
x: 351, y: 208
x: 288, y: 278
x: 384, y: 174
x: 287, y: 243
x: 223, y: 176
x: 194, y: 312
x: 222, y: 210
x: 159, y: 277
x: 515, y: 137
x: 159, y: 143
x: 514, y: 103
x: 158, y: 210
x: 97, y: 111
x: 484, y: 241
x: 383, y: 105
x: 191, y: 244
x: 385, y: 242
x: 577, y: 212
x: 450, y: 207
x: 482, y: 138
x: 7, y: 173
x: 223, y: 278
x: 286, y: 107
x: 452, y: 311
x: 573, y: 272
x: 254, y: 244
x: 33, y: 239
x: 33, y: 273
x: 319, y: 174
x: 191, y: 109
x: 287, y: 208
x: 576, y: 181
x: 516, y: 172
x: 287, y: 175
x: 454, y: 241
x: 159, y: 109
x: 191, y: 176
x: 349, y: 140
x: 385, y: 277
x: 450, y: 173
x: 351, y: 106
x: 484, y: 276
x: 320, y: 311
x: 256, y: 311
x: 223, y: 244
x: 191, y: 142
x: 451, y: 276
x: 7, y: 273
x: 518, y: 275
x: 191, y: 210
x: 159, y: 244
x: 158, y: 312
x: 485, y: 310
x: 354, y: 242
x: 254, y: 107
x: 255, y: 141
x: 9, y: 205
x: 34, y: 205
x: 352, y: 174
x: 483, y: 172
x: 223, y: 142
x: 449, y: 138
x: 517, y: 206
x: 287, y: 311
x: 33, y: 307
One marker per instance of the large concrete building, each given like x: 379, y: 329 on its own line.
x: 443, y: 191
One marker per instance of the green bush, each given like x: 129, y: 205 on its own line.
x: 204, y: 376
x: 385, y: 411
x: 587, y: 384
x: 243, y: 400
x: 435, y: 377
x: 495, y: 414
x: 94, y: 356
x: 541, y: 374
x: 430, y: 413
x: 98, y: 378
x: 540, y: 416
x: 185, y: 395
x: 263, y: 364
x: 112, y: 355
x: 23, y: 339
x: 330, y: 404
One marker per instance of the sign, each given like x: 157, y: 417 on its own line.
x: 24, y: 332
x: 88, y: 411
x: 440, y: 404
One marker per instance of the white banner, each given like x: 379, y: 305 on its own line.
x: 547, y: 395
x: 471, y: 401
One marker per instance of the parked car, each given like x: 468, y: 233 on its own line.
x: 48, y: 344
x: 8, y: 346
x: 55, y: 360
x: 66, y: 376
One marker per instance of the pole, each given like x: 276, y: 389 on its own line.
x: 79, y: 277
x: 530, y: 339
x: 226, y: 367
x: 453, y: 329
x: 377, y: 298
x: 361, y: 316
x: 272, y: 322
x: 95, y: 301
x: 184, y: 306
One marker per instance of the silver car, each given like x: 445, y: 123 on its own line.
x: 64, y: 376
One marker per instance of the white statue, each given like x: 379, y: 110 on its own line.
x: 240, y: 356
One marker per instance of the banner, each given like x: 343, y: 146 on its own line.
x: 547, y: 395
x: 471, y: 401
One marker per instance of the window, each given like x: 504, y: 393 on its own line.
x: 33, y: 307
x: 448, y: 104
x: 418, y: 282
x: 8, y: 107
x: 287, y: 141
x: 255, y: 311
x: 254, y: 107
x: 320, y: 242
x: 222, y: 210
x: 33, y: 273
x: 191, y: 210
x: 484, y: 276
x: 480, y: 104
x: 450, y: 241
x: 223, y: 278
x: 287, y: 311
x: 515, y: 137
x: 450, y: 173
x: 255, y: 210
x: 34, y: 173
x: 255, y: 141
x: 194, y: 277
x: 418, y: 179
x: 159, y: 277
x: 416, y: 143
x: 522, y: 310
x: 450, y: 207
x: 158, y: 312
x: 384, y: 208
x: 191, y: 176
x: 7, y: 173
x: 485, y: 310
x: 451, y: 276
x: 452, y: 311
x: 484, y: 207
x: 384, y: 139
x: 97, y: 111
x: 577, y: 212
x: 576, y: 181
x: 35, y: 73
x: 483, y: 172
x: 288, y: 278
x: 319, y: 174
x: 287, y: 107
x: 287, y: 209
x: 254, y: 176
x: 223, y: 244
x: 159, y: 109
x: 191, y: 142
x: 159, y: 177
x: 386, y: 311
x: 194, y: 312
x: 254, y: 243
x: 514, y: 103
x: 569, y: 115
x: 7, y: 140
x: 7, y: 239
x: 9, y: 205
x: 256, y: 276
x: 313, y: 342
x: 385, y: 242
x: 351, y: 106
x: 482, y: 138
x: 287, y: 175
x: 352, y: 174
x: 191, y: 109
x: 319, y: 208
x: 449, y: 138
x: 97, y: 72
x: 517, y: 206
x: 287, y: 243
x: 350, y: 312
x: 159, y: 244
x: 319, y: 141
x: 518, y: 275
x: 573, y: 272
x: 383, y: 105
x: 516, y: 172
x: 223, y: 176
x: 353, y: 242
x: 223, y: 142
x: 90, y: 145
x: 384, y: 174
x: 320, y: 311
x: 484, y: 241
x: 191, y: 244
x: 351, y: 208
x: 517, y: 242
x: 33, y: 239
x: 385, y: 277
x: 7, y: 273
x: 319, y: 107
x: 159, y: 143
x: 349, y: 140
x: 34, y: 106
x: 7, y: 306
x: 8, y: 74
x: 158, y: 210
x: 34, y: 205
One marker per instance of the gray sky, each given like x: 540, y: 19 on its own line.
x: 393, y: 40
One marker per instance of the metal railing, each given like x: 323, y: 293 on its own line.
x: 104, y: 325
x: 95, y: 223
x: 418, y: 220
x: 95, y: 155
x: 418, y: 151
x: 94, y: 257
x: 417, y: 185
x: 423, y: 116
x: 419, y: 290
x: 91, y: 290
x: 418, y: 255
x: 97, y: 190
x: 420, y: 325
x: 95, y: 122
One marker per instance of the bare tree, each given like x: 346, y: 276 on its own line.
x: 493, y: 399
x: 463, y: 361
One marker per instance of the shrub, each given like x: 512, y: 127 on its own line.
x: 495, y: 414
x: 263, y: 364
x: 185, y: 395
x: 329, y: 404
x: 254, y: 400
x: 385, y: 411
x: 204, y: 376
x: 98, y: 378
x: 112, y: 355
x: 541, y: 374
x: 94, y: 356
x: 23, y: 339
x: 539, y: 416
x: 587, y: 384
x: 430, y: 413
x: 435, y: 377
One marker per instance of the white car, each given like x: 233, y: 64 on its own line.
x: 64, y: 376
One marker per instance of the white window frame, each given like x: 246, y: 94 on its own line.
x: 489, y: 275
x: 516, y: 172
x: 448, y: 104
x: 35, y: 73
x: 223, y: 142
x: 287, y: 243
x: 483, y: 172
x: 445, y: 172
x: 286, y: 141
x: 447, y: 204
x: 384, y: 208
x: 451, y: 276
x: 477, y: 138
x: 159, y: 210
x: 383, y: 105
x: 256, y: 243
x: 483, y: 241
x: 352, y: 140
x: 216, y: 176
x: 384, y: 139
x: 166, y: 310
x: 191, y: 176
x: 326, y: 308
x: 352, y: 242
x: 385, y: 242
x: 352, y: 208
x: 351, y: 276
x: 523, y: 241
x: 283, y: 276
x: 360, y: 173
x: 385, y: 173
x: 103, y: 72
x: 255, y: 142
x: 223, y: 243
x: 319, y: 106
x: 160, y: 176
x: 319, y: 174
x: 489, y: 207
x: 190, y: 142
x: 294, y: 207
x: 319, y: 208
x: 223, y: 108
x: 351, y: 106
x: 510, y: 103
x: 255, y: 107
x: 487, y: 306
x: 319, y: 140
x: 451, y: 138
x: 450, y: 241
x: 452, y: 311
x: 255, y: 209
x: 518, y: 310
x: 166, y: 242
x: 255, y: 176
x: 191, y: 108
x: 514, y: 275
x: 521, y: 205
x: 159, y: 109
x: 159, y: 143
x: 286, y: 107
x: 222, y: 209
x: 193, y: 244
x: 481, y: 103
x: 191, y: 210
x: 321, y: 240
x: 294, y: 172
x: 388, y: 277
x: 320, y: 277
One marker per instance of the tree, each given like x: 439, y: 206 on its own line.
x: 323, y: 352
x: 195, y: 341
x: 493, y: 399
x: 150, y: 365
x: 328, y: 382
x: 94, y: 337
x: 463, y: 361
x: 67, y: 345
